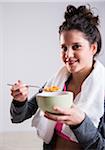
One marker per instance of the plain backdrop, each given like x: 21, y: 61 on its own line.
x: 29, y: 47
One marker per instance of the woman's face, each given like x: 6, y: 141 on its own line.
x: 76, y: 51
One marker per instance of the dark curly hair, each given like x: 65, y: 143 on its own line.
x: 82, y: 19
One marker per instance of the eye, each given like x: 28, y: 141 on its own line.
x: 76, y: 47
x: 64, y: 48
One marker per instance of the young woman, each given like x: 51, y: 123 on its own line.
x: 79, y: 127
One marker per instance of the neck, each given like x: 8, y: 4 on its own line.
x: 80, y: 76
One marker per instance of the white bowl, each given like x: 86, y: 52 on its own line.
x: 47, y: 100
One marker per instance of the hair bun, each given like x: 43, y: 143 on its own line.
x: 87, y: 13
x: 70, y: 10
x: 81, y: 12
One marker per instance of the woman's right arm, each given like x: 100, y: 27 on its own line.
x: 21, y: 109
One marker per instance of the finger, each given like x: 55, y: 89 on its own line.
x: 48, y: 117
x: 51, y: 117
x: 18, y: 86
x: 57, y: 117
x: 15, y: 93
x: 23, y: 91
x: 15, y: 87
x: 67, y: 122
x: 18, y: 96
x: 21, y: 97
x: 62, y: 110
x: 19, y: 81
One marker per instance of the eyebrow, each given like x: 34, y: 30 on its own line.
x: 76, y: 43
x: 62, y: 45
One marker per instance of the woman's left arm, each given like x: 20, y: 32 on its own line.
x: 86, y: 133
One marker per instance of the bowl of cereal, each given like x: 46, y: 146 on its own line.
x: 47, y: 100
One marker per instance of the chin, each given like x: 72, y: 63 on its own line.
x: 72, y: 69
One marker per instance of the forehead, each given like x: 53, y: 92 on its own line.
x: 72, y: 36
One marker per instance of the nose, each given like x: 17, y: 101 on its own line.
x: 69, y: 53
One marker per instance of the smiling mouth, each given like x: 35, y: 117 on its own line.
x: 71, y: 62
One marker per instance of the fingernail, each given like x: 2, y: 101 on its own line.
x: 55, y: 108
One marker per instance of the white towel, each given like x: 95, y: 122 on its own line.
x: 45, y: 127
x: 90, y: 100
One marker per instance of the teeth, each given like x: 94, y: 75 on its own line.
x: 71, y: 62
x: 67, y: 60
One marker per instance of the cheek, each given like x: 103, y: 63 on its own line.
x: 62, y: 56
x: 85, y: 57
x: 88, y: 55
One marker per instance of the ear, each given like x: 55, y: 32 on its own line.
x: 94, y: 48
